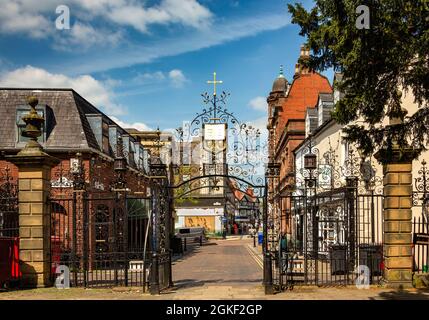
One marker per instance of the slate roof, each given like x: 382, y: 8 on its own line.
x: 326, y: 97
x: 70, y: 127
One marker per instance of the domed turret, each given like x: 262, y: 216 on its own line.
x: 280, y: 84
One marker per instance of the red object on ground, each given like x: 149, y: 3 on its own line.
x: 9, y: 259
x: 56, y: 252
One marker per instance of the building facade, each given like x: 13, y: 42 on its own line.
x: 287, y: 105
x: 342, y: 207
x: 87, y: 143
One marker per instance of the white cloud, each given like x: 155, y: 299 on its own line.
x: 188, y: 12
x: 261, y: 124
x: 15, y: 17
x: 37, y: 18
x: 258, y: 103
x: 91, y: 89
x: 177, y: 78
x: 83, y: 36
x: 185, y: 12
x: 171, y: 46
x: 136, y: 125
x: 148, y: 77
x: 108, y: 20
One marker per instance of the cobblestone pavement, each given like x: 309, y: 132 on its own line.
x: 219, y: 270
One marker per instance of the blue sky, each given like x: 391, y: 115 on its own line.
x: 147, y: 62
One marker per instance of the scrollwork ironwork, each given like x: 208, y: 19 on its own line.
x: 329, y: 174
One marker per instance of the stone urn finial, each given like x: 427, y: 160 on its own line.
x: 32, y: 129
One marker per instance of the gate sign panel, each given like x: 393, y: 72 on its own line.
x: 214, y: 131
x: 421, y: 238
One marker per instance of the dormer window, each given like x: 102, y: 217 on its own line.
x: 105, y: 137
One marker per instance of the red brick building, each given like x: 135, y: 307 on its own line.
x: 287, y: 105
x: 74, y: 126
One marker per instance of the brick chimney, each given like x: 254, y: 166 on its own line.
x: 299, y: 68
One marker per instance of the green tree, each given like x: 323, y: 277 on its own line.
x: 376, y: 64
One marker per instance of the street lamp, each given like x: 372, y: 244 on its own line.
x: 120, y: 166
x: 310, y: 165
x: 272, y: 175
x: 78, y: 172
x: 310, y: 161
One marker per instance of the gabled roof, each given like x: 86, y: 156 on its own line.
x: 312, y: 112
x: 235, y: 190
x: 304, y: 92
x: 326, y: 97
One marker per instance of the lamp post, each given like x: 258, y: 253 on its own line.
x: 78, y: 172
x: 310, y: 187
x: 120, y: 167
x: 368, y: 179
x: 271, y: 185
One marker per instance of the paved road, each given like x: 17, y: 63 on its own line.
x: 216, y: 268
x: 219, y: 271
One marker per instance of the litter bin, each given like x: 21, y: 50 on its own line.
x: 176, y: 245
x: 260, y: 238
x: 337, y: 256
x: 371, y: 255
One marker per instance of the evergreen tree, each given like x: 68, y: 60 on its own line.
x: 377, y: 64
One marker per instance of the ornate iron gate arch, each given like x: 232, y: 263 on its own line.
x: 191, y: 189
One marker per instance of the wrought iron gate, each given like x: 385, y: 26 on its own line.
x: 323, y: 233
x: 9, y: 226
x: 101, y: 239
x: 113, y: 237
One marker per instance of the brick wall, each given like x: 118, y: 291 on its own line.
x: 101, y: 173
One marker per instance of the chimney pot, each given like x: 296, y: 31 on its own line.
x: 297, y: 68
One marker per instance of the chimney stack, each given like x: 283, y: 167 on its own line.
x: 304, y: 55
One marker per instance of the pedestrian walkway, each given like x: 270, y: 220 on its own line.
x: 256, y: 254
x: 221, y: 270
x: 218, y: 262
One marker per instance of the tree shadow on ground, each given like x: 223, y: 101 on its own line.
x: 192, y: 249
x: 27, y: 281
x: 401, y: 294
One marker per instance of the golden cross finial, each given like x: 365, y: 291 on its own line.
x: 214, y: 82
